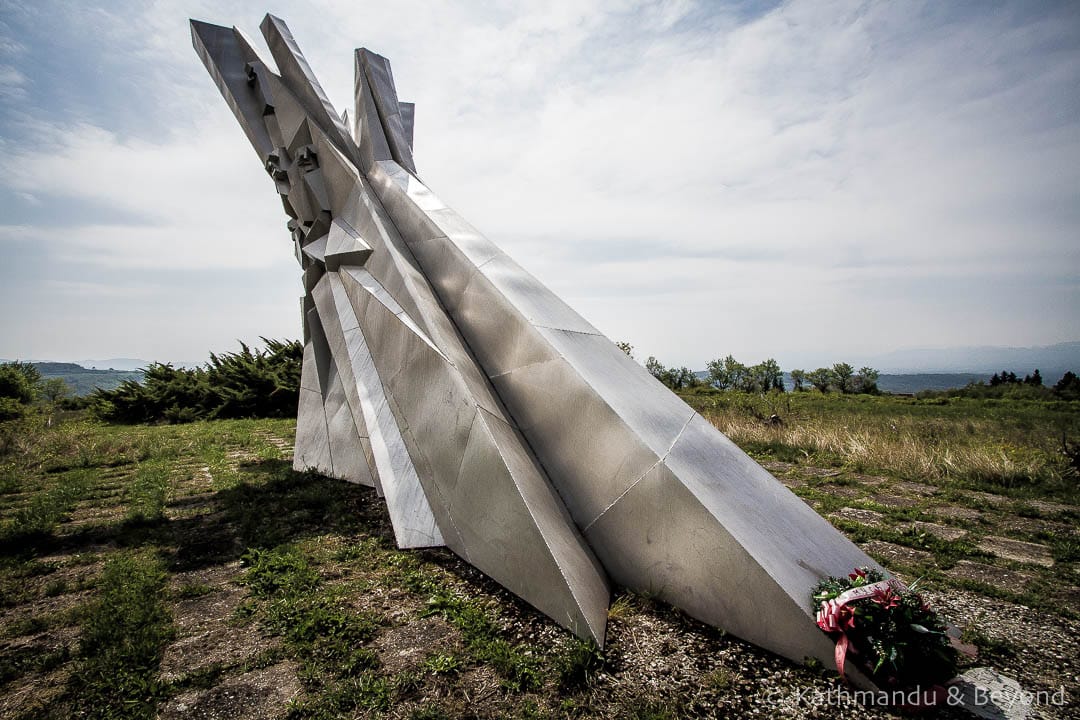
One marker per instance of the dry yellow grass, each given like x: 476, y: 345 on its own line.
x: 996, y: 450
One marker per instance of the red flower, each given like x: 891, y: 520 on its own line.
x: 859, y: 573
x: 886, y: 598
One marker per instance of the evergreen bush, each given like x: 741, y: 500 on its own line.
x: 245, y: 384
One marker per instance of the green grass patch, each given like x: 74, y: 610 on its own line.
x: 317, y: 626
x: 9, y: 480
x: 576, y: 663
x: 31, y: 659
x: 124, y: 634
x: 45, y: 510
x: 344, y: 699
x: 441, y: 664
x: 521, y: 667
x: 147, y: 492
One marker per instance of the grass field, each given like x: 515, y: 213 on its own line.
x: 188, y: 571
x: 1003, y: 446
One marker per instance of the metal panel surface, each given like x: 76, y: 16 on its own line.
x: 344, y: 246
x: 312, y: 446
x: 529, y: 342
x: 381, y: 79
x: 297, y: 74
x: 346, y: 454
x: 616, y: 459
x: 367, y: 127
x: 410, y: 512
x: 656, y: 540
x: 514, y: 534
x: 408, y: 119
x: 222, y: 54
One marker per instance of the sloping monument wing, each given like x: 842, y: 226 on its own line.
x: 489, y: 415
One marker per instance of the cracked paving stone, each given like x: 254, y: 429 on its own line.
x: 958, y: 513
x: 1018, y: 550
x: 1002, y: 578
x: 865, y: 517
x: 894, y: 501
x: 913, y: 487
x: 898, y: 553
x: 945, y: 532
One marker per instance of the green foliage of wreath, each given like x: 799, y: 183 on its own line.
x: 894, y: 636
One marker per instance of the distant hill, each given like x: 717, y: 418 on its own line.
x: 115, y: 364
x: 917, y: 382
x: 1051, y: 360
x: 134, y: 364
x: 84, y: 381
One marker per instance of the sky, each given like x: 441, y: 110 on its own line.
x: 809, y: 180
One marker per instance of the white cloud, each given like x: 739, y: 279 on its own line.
x: 90, y: 290
x: 12, y: 83
x: 830, y: 175
x: 198, y: 201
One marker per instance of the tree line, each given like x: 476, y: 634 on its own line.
x: 766, y: 376
x: 841, y: 377
x: 248, y: 383
x: 1008, y: 385
x: 265, y: 383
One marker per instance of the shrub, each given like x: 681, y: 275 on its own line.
x: 10, y: 409
x: 245, y: 384
x: 19, y: 381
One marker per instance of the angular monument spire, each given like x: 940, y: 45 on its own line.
x: 386, y: 371
x: 298, y: 77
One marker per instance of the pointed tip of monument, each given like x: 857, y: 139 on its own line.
x: 201, y: 27
x: 272, y: 20
x: 205, y: 33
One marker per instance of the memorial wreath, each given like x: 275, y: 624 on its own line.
x: 886, y: 629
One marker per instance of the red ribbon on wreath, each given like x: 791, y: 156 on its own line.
x: 835, y: 615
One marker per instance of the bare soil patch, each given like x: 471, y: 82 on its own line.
x: 404, y: 647
x: 207, y: 633
x: 258, y: 695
